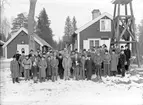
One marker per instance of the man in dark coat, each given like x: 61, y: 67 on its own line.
x: 122, y: 61
x: 60, y: 66
x: 89, y: 64
x: 127, y: 52
x: 17, y: 55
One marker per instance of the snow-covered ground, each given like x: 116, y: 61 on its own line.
x: 112, y: 91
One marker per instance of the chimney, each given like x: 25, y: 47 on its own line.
x: 95, y: 13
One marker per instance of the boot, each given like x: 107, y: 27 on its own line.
x: 17, y: 80
x: 13, y: 80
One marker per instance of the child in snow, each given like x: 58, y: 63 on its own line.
x: 14, y: 67
x: 42, y: 68
x: 27, y: 64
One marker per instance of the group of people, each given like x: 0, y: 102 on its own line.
x: 44, y: 66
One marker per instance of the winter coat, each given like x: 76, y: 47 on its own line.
x: 76, y: 62
x: 22, y: 57
x: 83, y: 60
x: 35, y: 66
x: 49, y: 70
x: 98, y: 60
x: 67, y: 63
x: 54, y: 63
x: 32, y: 58
x: 14, y: 67
x: 114, y: 62
x: 107, y: 58
x: 89, y: 64
x: 122, y: 60
x: 42, y: 68
x: 128, y: 54
x: 27, y: 64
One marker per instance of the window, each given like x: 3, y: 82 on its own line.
x: 105, y: 25
x: 96, y: 43
x: 93, y: 43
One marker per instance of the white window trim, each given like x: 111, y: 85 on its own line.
x: 93, y: 40
x: 105, y: 29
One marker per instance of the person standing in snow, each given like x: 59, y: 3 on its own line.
x: 82, y: 70
x: 122, y: 61
x: 60, y: 66
x: 127, y: 52
x: 14, y: 67
x: 89, y: 64
x: 22, y: 57
x: 49, y: 70
x: 67, y: 64
x: 76, y: 65
x: 35, y: 68
x: 98, y: 63
x: 114, y: 63
x: 27, y: 64
x: 54, y: 66
x: 107, y: 59
x: 32, y: 58
x: 42, y: 69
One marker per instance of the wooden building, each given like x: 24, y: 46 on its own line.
x: 95, y: 33
x: 20, y: 41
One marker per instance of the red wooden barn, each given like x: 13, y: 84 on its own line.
x: 95, y: 33
x: 20, y: 40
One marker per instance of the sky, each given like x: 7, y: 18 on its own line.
x: 58, y: 10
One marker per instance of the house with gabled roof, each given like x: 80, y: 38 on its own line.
x: 96, y: 32
x: 20, y: 41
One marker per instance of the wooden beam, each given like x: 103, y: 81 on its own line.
x: 123, y: 42
x: 115, y: 6
x: 117, y: 34
x: 128, y: 30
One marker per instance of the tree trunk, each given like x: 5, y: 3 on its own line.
x: 31, y: 24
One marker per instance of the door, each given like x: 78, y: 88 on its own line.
x: 23, y: 46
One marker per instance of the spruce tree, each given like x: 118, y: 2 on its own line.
x: 43, y: 27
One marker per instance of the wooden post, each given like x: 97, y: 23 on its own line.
x: 118, y: 19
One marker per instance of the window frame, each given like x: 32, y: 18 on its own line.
x: 106, y: 29
x: 97, y: 39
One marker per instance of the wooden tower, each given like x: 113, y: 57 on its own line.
x: 124, y: 25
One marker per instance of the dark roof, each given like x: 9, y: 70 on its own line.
x: 121, y: 1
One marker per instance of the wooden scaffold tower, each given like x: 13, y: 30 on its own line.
x: 124, y: 25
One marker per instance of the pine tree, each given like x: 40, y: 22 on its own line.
x: 43, y: 27
x: 68, y: 27
x: 68, y: 32
x: 20, y: 21
x: 74, y: 24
